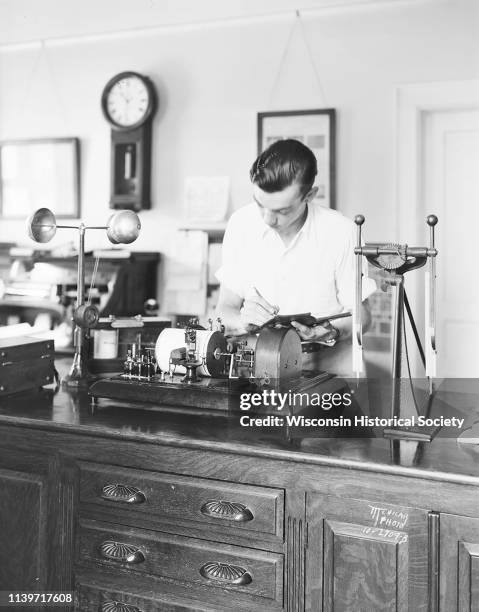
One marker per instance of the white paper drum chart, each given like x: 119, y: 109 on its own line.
x: 210, y: 349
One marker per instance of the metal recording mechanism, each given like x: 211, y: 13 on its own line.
x: 140, y: 364
x: 273, y: 355
x: 200, y: 350
x: 200, y: 367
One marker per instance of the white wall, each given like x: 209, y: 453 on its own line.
x: 215, y: 76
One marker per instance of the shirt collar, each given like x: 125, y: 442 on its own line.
x: 267, y: 230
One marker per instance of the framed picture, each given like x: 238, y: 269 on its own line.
x: 40, y: 173
x: 314, y: 128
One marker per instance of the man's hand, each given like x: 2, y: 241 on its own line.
x: 256, y: 311
x: 319, y: 333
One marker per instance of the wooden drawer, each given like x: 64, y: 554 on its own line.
x: 240, y: 508
x: 95, y: 599
x: 233, y: 571
x: 94, y: 592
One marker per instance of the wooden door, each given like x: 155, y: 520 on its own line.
x: 459, y: 563
x: 451, y: 190
x: 365, y: 556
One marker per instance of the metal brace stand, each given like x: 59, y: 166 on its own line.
x: 396, y: 260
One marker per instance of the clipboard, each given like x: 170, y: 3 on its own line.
x: 304, y: 318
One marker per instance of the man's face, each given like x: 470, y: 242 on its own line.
x: 282, y: 210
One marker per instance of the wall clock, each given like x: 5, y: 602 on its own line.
x: 129, y: 102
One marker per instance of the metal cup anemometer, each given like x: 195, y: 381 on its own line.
x: 122, y: 228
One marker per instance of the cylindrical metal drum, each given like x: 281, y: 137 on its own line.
x: 210, y: 349
x: 278, y: 355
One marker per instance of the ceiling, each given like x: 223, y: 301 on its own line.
x: 23, y: 21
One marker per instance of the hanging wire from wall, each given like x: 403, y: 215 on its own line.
x: 31, y: 78
x: 297, y: 23
x: 40, y: 59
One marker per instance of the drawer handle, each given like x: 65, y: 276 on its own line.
x: 123, y: 493
x: 229, y: 511
x: 225, y: 573
x: 118, y: 606
x: 125, y: 553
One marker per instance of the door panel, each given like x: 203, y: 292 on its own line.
x: 459, y: 563
x: 36, y: 509
x: 22, y: 562
x: 365, y: 556
x: 363, y: 568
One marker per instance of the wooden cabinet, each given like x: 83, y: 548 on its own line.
x: 459, y: 563
x: 134, y: 523
x: 366, y: 556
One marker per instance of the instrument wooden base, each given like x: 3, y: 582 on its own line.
x: 216, y: 394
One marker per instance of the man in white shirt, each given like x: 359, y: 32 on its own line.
x: 285, y: 253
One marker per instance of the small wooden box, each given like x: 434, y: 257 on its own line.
x: 25, y: 363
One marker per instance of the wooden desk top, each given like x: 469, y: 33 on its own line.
x: 444, y: 459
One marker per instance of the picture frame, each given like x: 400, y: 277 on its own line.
x: 316, y: 129
x: 37, y: 173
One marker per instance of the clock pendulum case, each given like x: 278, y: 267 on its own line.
x: 129, y: 102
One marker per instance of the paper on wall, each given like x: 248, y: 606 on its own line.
x: 186, y: 266
x: 185, y: 289
x: 206, y: 198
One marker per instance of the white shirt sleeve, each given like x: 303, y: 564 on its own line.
x: 346, y: 276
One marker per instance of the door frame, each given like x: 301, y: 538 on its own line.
x: 413, y: 101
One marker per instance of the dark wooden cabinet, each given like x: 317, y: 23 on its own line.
x: 366, y: 556
x: 148, y: 512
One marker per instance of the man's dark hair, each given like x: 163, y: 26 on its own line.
x: 283, y: 163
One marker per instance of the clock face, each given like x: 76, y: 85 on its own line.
x: 127, y: 100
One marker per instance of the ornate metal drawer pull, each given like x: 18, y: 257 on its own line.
x: 225, y: 573
x: 125, y: 553
x: 118, y: 606
x: 229, y: 511
x: 123, y: 493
